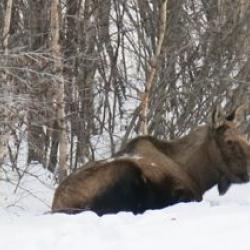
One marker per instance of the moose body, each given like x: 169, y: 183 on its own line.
x: 151, y: 174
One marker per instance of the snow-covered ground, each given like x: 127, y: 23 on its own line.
x: 216, y: 223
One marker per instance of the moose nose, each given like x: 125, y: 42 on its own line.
x: 245, y: 178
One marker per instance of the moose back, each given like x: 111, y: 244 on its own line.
x: 151, y: 174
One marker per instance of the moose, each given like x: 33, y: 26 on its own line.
x: 152, y: 174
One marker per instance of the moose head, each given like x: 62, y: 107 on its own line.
x: 234, y: 147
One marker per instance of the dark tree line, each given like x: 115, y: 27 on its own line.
x: 78, y: 78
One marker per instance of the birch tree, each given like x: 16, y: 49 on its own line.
x: 58, y: 100
x: 6, y: 28
x: 6, y: 82
x: 153, y: 67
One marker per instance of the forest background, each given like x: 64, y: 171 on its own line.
x: 79, y: 78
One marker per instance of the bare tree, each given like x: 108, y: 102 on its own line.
x: 153, y: 67
x: 58, y: 100
x: 6, y: 28
x: 81, y: 77
x: 6, y: 83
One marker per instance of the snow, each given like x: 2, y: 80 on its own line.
x: 125, y: 156
x: 218, y: 222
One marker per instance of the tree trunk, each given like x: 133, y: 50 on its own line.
x: 59, y: 90
x: 5, y: 135
x: 6, y: 28
x: 37, y: 136
x: 144, y: 106
x: 85, y: 80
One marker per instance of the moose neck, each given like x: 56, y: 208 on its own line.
x: 196, y: 154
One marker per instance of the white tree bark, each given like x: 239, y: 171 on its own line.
x: 153, y: 69
x: 6, y: 30
x: 59, y: 90
x: 6, y: 27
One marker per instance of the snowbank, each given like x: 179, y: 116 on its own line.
x: 216, y: 223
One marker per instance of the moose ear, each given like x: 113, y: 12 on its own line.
x: 218, y: 117
x: 237, y: 116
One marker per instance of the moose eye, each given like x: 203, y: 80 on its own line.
x: 230, y: 142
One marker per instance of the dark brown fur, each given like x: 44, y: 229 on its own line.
x: 152, y: 174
